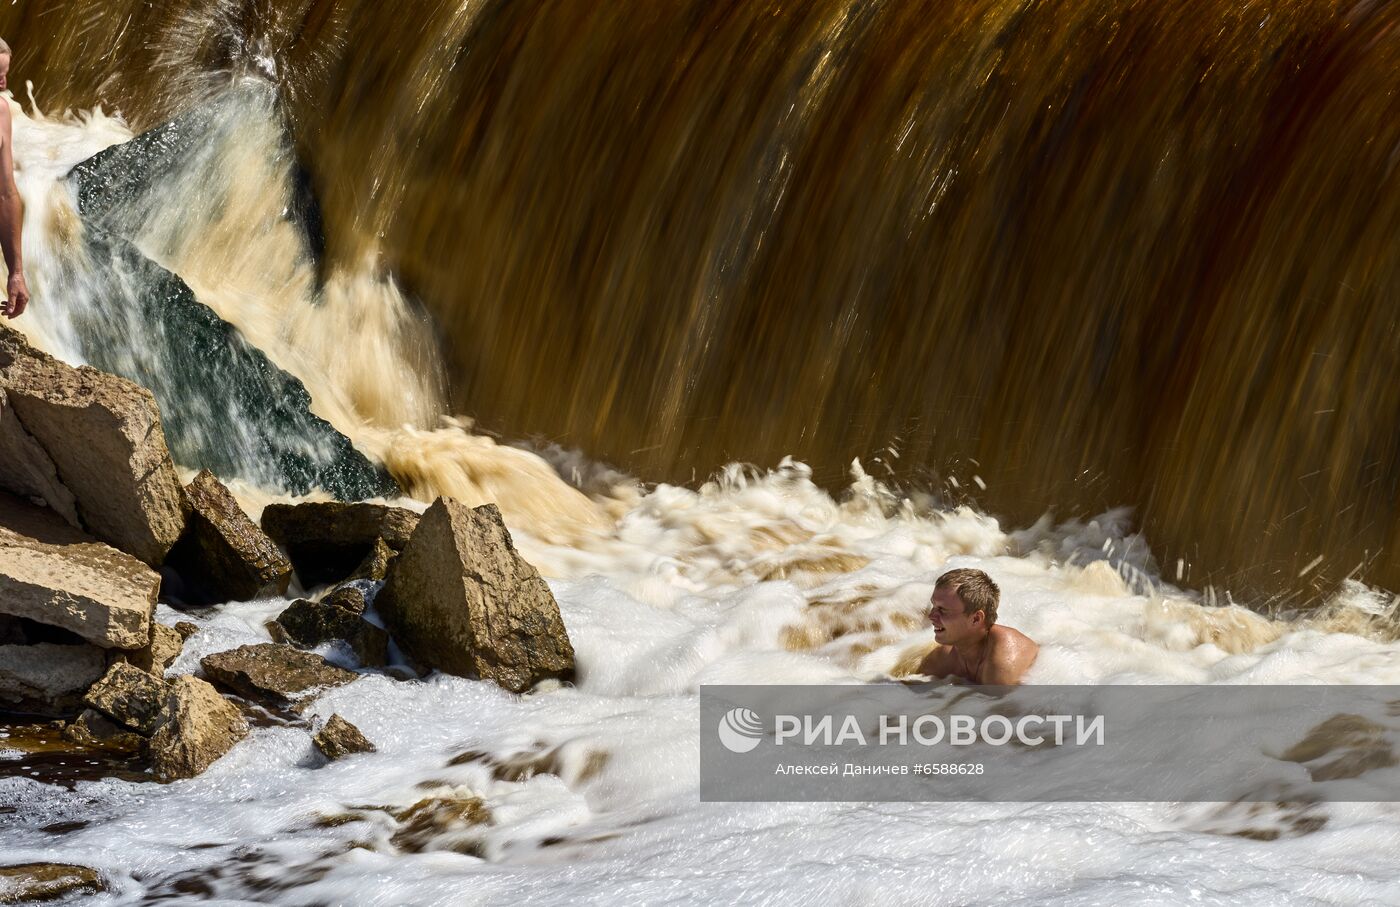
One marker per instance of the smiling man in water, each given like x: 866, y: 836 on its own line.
x: 971, y: 646
x: 11, y: 208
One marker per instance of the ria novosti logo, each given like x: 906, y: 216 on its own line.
x: 740, y: 730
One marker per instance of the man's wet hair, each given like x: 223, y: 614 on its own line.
x: 975, y: 588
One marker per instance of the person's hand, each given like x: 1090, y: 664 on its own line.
x: 16, y: 296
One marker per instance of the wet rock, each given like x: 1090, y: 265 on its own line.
x: 327, y: 541
x: 223, y: 555
x: 441, y: 823
x: 337, y: 616
x: 129, y: 696
x: 197, y: 726
x: 48, y: 679
x: 26, y: 470
x: 54, y: 574
x: 375, y: 566
x: 92, y: 728
x: 31, y: 883
x: 274, y: 672
x: 460, y: 599
x: 186, y: 629
x: 340, y: 738
x: 228, y: 406
x: 103, y: 436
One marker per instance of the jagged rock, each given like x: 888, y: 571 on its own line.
x: 460, y: 599
x: 327, y: 541
x: 340, y: 738
x: 224, y: 556
x: 47, y: 679
x: 197, y: 726
x: 26, y: 470
x: 129, y: 696
x: 339, y: 615
x: 186, y: 629
x: 375, y: 566
x: 103, y: 436
x: 227, y: 405
x: 272, y: 671
x: 164, y: 648
x: 30, y: 883
x: 92, y: 728
x: 53, y: 574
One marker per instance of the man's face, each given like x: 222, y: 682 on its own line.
x: 4, y: 71
x: 950, y: 619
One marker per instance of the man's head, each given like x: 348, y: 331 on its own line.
x: 5, y: 55
x: 963, y: 606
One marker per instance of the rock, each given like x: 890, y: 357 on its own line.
x: 328, y: 540
x: 53, y: 574
x: 92, y: 728
x: 47, y: 679
x: 103, y: 436
x: 341, y: 738
x: 375, y: 566
x: 272, y: 671
x: 460, y: 599
x: 224, y: 556
x: 439, y: 821
x: 227, y: 405
x: 197, y: 726
x: 30, y: 883
x: 337, y: 616
x: 26, y: 470
x: 164, y: 648
x: 129, y: 696
x: 186, y: 629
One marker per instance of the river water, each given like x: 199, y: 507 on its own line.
x: 758, y: 575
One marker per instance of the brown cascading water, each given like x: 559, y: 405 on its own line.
x: 1092, y: 252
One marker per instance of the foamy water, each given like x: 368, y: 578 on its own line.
x: 590, y: 792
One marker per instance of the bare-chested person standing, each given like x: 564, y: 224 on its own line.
x: 971, y: 646
x: 11, y: 208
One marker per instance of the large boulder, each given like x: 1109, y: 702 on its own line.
x: 272, y: 672
x: 223, y: 555
x: 327, y: 541
x: 48, y: 679
x: 196, y: 727
x: 26, y: 470
x: 129, y: 696
x: 460, y: 599
x: 227, y: 405
x: 103, y: 436
x: 56, y: 575
x: 337, y: 616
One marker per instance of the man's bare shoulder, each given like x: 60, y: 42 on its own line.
x: 935, y: 663
x: 1013, y: 653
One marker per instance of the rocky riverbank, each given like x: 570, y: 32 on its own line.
x: 95, y: 529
